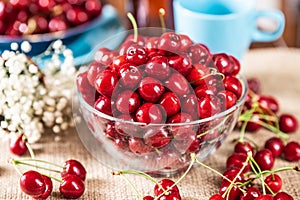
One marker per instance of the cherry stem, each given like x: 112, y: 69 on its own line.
x: 132, y: 185
x: 135, y: 27
x: 30, y: 150
x: 17, y: 162
x: 259, y: 173
x: 41, y: 161
x: 162, y: 13
x: 16, y: 167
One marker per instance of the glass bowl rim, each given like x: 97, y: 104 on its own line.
x: 238, y: 104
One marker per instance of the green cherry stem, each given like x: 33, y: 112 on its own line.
x: 18, y: 162
x: 135, y: 27
x: 132, y: 185
x: 41, y: 161
x: 258, y: 173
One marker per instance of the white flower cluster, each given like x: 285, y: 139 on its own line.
x: 32, y: 100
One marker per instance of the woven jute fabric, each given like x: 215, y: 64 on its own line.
x: 278, y: 70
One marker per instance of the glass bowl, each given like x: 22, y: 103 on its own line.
x: 157, y: 148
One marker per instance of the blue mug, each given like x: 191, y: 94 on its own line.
x: 228, y: 26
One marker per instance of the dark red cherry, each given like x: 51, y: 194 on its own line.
x: 254, y: 85
x: 251, y: 194
x: 57, y: 23
x: 130, y: 76
x: 157, y: 137
x: 93, y: 7
x: 237, y: 160
x: 151, y: 45
x: 227, y: 98
x: 118, y: 62
x: 158, y: 67
x: 110, y: 131
x: 166, y: 184
x: 77, y: 16
x: 199, y: 53
x: 103, y: 104
x: 141, y: 40
x: 127, y: 102
x: 283, y: 196
x: 274, y: 183
x: 234, y: 192
x: 178, y: 84
x: 288, y: 123
x: 138, y: 146
x: 150, y: 113
x: 223, y: 63
x: 148, y: 198
x: 136, y: 55
x: 209, y: 105
x: 18, y: 145
x: 216, y: 197
x: 264, y: 158
x: 197, y: 74
x: 236, y: 65
x: 201, y: 91
x: 32, y: 183
x: 233, y: 84
x: 106, y: 82
x: 291, y: 151
x: 181, y: 64
x: 265, y: 197
x: 232, y: 173
x: 151, y: 89
x: 268, y: 103
x: 243, y: 147
x: 93, y: 71
x: 48, y: 188
x: 169, y: 42
x: 73, y: 167
x: 185, y: 42
x: 275, y: 145
x: 189, y: 104
x: 170, y: 102
x: 104, y: 56
x: 254, y: 124
x: 72, y: 187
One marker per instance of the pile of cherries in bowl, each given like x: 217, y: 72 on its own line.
x: 29, y: 17
x: 156, y: 99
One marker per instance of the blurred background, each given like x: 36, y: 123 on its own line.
x: 146, y: 12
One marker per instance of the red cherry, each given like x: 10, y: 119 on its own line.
x: 288, y: 123
x: 150, y: 113
x: 118, y: 62
x: 93, y: 7
x: 136, y: 55
x: 254, y: 124
x: 104, y: 56
x: 234, y: 192
x: 209, y: 105
x: 265, y: 160
x: 158, y: 67
x: 254, y: 85
x: 170, y: 102
x: 151, y: 45
x: 77, y: 16
x: 243, y: 147
x: 19, y: 3
x: 223, y: 63
x: 141, y: 40
x: 48, y: 189
x: 127, y: 102
x: 199, y: 53
x: 185, y: 42
x: 106, y: 82
x: 237, y: 160
x: 148, y: 198
x: 151, y: 89
x: 231, y: 174
x: 169, y: 185
x: 110, y: 131
x: 233, y: 84
x: 130, y: 76
x: 72, y: 187
x: 181, y: 64
x: 228, y: 98
x: 103, y: 104
x: 251, y: 194
x: 157, y: 138
x: 236, y: 65
x: 283, y: 196
x: 138, y: 146
x: 274, y: 182
x: 32, y: 183
x: 57, y: 23
x: 93, y: 71
x: 169, y: 42
x: 265, y: 197
x: 197, y: 74
x: 189, y: 104
x: 291, y: 151
x: 275, y: 145
x: 73, y: 167
x: 268, y: 103
x: 18, y: 145
x: 216, y: 197
x: 178, y: 84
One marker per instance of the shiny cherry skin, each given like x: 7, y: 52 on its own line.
x: 228, y: 98
x: 254, y: 85
x: 118, y: 62
x: 216, y: 197
x: 288, y: 123
x: 283, y: 196
x: 150, y: 113
x: 104, y: 56
x: 73, y: 167
x: 136, y: 54
x: 130, y: 76
x: 201, y: 91
x: 48, y: 189
x: 127, y: 102
x: 151, y: 89
x: 157, y: 138
x: 231, y: 174
x: 151, y: 45
x: 274, y: 182
x: 268, y: 103
x: 265, y: 197
x: 170, y: 102
x: 169, y: 42
x: 72, y: 187
x: 233, y: 84
x: 275, y: 145
x: 32, y: 183
x: 178, y: 84
x: 254, y: 124
x: 251, y: 194
x: 141, y: 40
x: 197, y: 74
x: 167, y: 184
x: 199, y: 53
x: 138, y: 146
x: 236, y: 65
x: 243, y: 147
x: 237, y: 160
x: 223, y: 63
x: 106, y: 82
x: 158, y: 67
x: 189, y: 104
x: 264, y: 158
x: 93, y: 7
x: 148, y: 198
x: 18, y: 145
x: 234, y: 193
x: 181, y: 64
x: 57, y: 23
x: 93, y: 70
x: 185, y: 42
x: 209, y: 105
x: 291, y: 151
x: 103, y: 104
x: 110, y: 131
x: 77, y: 16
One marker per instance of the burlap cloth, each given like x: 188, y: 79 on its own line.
x: 279, y: 71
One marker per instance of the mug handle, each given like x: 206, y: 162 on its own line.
x: 263, y: 36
